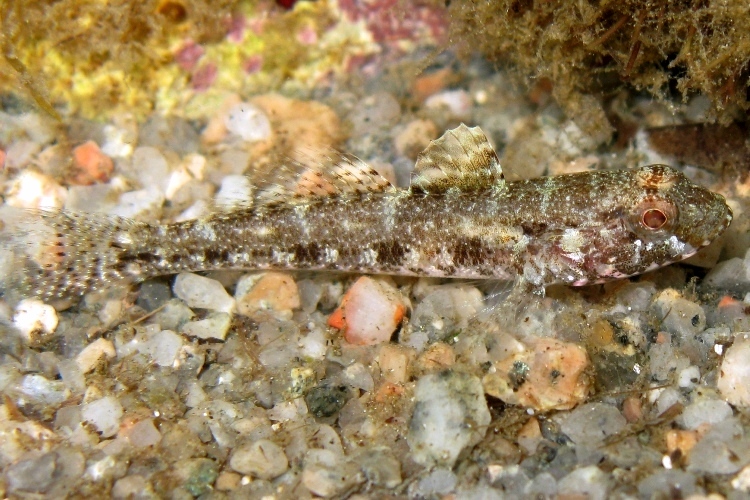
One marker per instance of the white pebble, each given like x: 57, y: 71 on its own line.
x: 689, y: 377
x: 263, y: 459
x: 144, y: 203
x: 450, y: 414
x: 88, y: 358
x: 163, y: 347
x: 34, y: 316
x: 104, y: 414
x: 458, y: 102
x: 151, y: 167
x: 249, y: 122
x: 234, y: 190
x: 705, y: 411
x: 42, y: 390
x: 201, y: 292
x: 215, y: 326
x: 734, y: 375
x: 142, y: 434
x: 587, y: 482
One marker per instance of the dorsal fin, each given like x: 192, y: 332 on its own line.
x: 462, y: 158
x: 335, y: 175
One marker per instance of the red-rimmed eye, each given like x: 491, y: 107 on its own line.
x: 654, y: 218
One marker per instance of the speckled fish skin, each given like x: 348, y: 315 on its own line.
x: 459, y: 218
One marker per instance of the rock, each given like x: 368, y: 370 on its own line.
x: 249, y: 122
x: 730, y: 275
x: 196, y: 475
x: 204, y: 293
x: 104, y: 414
x: 722, y: 450
x: 394, y: 362
x: 31, y: 189
x: 170, y: 132
x: 380, y: 467
x: 263, y: 459
x: 32, y: 476
x: 326, y: 400
x: 663, y: 483
x: 144, y: 204
x: 548, y: 376
x: 41, y: 391
x: 153, y: 294
x: 150, y: 168
x: 450, y: 414
x: 589, y: 425
x: 369, y: 313
x: 142, y: 434
x: 132, y: 486
x: 585, y: 482
x: 679, y: 316
x: 380, y: 110
x: 234, y: 190
x: 163, y: 347
x: 457, y: 102
x: 214, y: 326
x: 174, y: 315
x: 33, y: 317
x: 91, y: 165
x: 93, y: 353
x: 734, y: 375
x: 415, y: 137
x: 438, y: 483
x: 274, y: 292
x: 704, y: 410
x: 327, y: 474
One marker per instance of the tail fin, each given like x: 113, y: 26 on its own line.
x: 53, y: 255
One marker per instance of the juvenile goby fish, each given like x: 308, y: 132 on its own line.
x: 459, y: 218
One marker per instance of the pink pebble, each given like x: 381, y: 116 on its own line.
x: 91, y: 165
x: 188, y: 55
x: 369, y: 312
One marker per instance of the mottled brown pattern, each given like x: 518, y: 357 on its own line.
x: 574, y: 229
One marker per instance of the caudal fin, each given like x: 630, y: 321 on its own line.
x: 53, y: 255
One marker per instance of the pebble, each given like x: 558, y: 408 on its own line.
x: 33, y: 475
x: 91, y: 165
x: 731, y: 275
x: 104, y: 414
x: 415, y: 137
x: 590, y: 424
x: 21, y: 153
x: 144, y: 204
x: 132, y: 486
x: 263, y: 459
x: 457, y: 102
x: 172, y: 133
x: 438, y: 483
x: 380, y: 467
x: 150, y: 168
x: 547, y: 376
x: 142, y: 434
x: 174, y: 315
x: 679, y: 316
x: 664, y: 483
x: 34, y: 190
x: 214, y: 326
x: 275, y: 293
x: 39, y: 390
x: 163, y: 347
x: 370, y: 312
x: 705, y: 410
x: 93, y: 353
x: 394, y: 362
x: 203, y: 293
x: 380, y: 110
x: 249, y: 122
x: 450, y: 413
x: 325, y: 474
x: 586, y: 482
x: 734, y: 375
x: 32, y: 317
x: 234, y: 190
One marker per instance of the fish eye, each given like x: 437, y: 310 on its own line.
x: 653, y: 218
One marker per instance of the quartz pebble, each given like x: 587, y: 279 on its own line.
x: 263, y: 459
x: 142, y: 434
x: 450, y: 413
x: 93, y: 353
x: 248, y: 121
x: 370, y: 312
x: 163, y: 347
x: 275, y: 293
x: 586, y: 482
x: 214, y: 326
x: 33, y: 475
x: 590, y: 424
x: 734, y: 376
x: 705, y: 411
x: 33, y: 316
x: 104, y: 414
x: 204, y: 293
x: 549, y: 375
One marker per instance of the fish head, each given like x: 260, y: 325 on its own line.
x: 670, y: 217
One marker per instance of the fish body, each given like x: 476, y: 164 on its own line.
x: 459, y: 218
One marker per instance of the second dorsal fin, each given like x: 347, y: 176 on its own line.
x: 337, y: 174
x: 462, y: 158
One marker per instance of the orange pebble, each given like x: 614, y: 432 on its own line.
x: 91, y: 164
